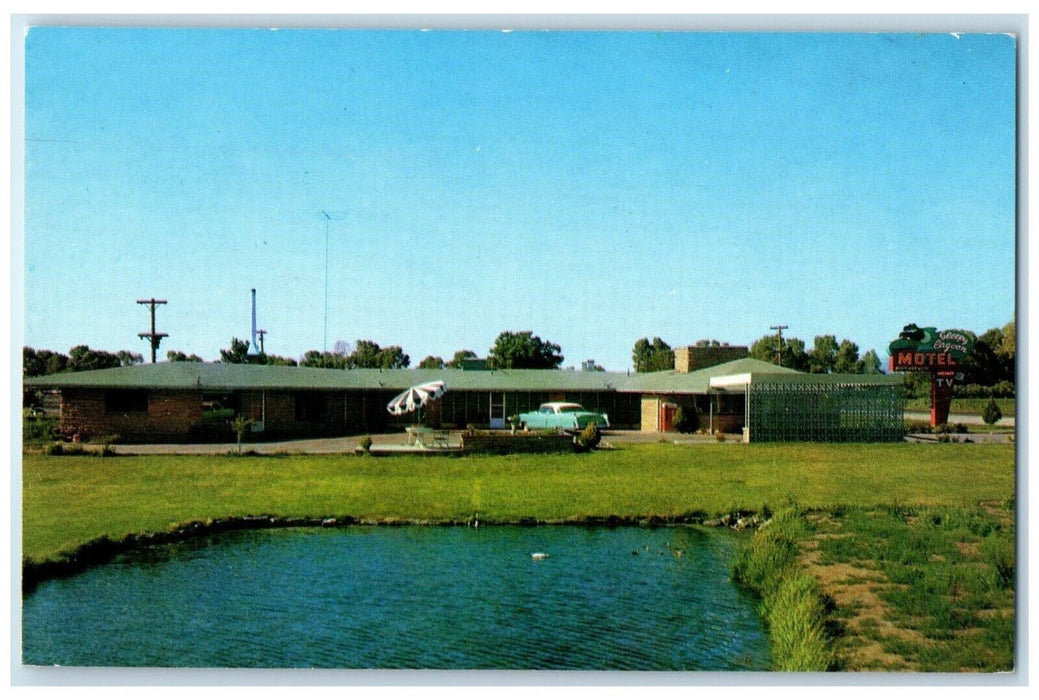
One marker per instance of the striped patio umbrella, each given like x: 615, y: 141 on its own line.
x: 415, y: 398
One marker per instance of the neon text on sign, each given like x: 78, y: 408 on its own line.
x: 907, y: 360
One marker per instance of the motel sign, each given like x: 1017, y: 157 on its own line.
x: 938, y: 352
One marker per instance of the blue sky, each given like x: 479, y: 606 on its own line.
x: 593, y: 187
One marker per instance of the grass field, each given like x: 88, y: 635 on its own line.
x: 71, y: 500
x: 970, y: 406
x: 913, y: 544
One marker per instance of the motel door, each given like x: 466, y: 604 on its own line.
x: 497, y: 410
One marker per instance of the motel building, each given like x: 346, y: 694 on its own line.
x: 730, y: 392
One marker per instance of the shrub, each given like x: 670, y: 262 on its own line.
x: 589, y: 437
x: 365, y: 443
x: 991, y: 414
x: 240, y: 424
x: 72, y: 449
x: 918, y: 426
x: 686, y: 419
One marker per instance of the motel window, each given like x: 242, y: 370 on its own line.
x: 126, y: 401
x: 310, y: 406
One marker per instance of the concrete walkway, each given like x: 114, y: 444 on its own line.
x: 398, y: 442
x: 392, y: 442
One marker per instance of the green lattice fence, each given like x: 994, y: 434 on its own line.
x: 825, y: 413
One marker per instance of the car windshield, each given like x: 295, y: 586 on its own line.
x: 570, y: 408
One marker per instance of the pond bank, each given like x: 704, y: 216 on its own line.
x: 101, y: 550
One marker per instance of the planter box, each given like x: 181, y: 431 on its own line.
x: 508, y: 443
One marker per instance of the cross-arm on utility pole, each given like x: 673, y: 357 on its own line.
x: 154, y: 337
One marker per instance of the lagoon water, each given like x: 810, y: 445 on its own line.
x: 408, y: 597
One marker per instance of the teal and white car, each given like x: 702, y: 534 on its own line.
x: 561, y: 415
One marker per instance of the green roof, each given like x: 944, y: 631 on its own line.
x: 230, y: 377
x: 215, y: 376
x: 672, y: 382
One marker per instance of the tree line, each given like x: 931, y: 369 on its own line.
x: 989, y: 369
x: 511, y: 350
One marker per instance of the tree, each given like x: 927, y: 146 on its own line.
x: 83, y: 359
x: 991, y: 414
x: 431, y: 362
x: 265, y: 359
x: 325, y: 360
x: 847, y: 360
x: 823, y: 357
x: 523, y: 350
x: 36, y: 363
x: 653, y: 356
x: 1008, y: 348
x: 128, y: 359
x: 368, y: 355
x: 869, y: 364
x: 460, y: 357
x: 237, y: 354
x: 794, y: 356
x: 178, y: 356
x: 240, y: 424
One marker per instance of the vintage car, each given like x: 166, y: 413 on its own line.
x: 561, y: 415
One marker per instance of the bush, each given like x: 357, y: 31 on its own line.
x: 686, y: 419
x: 589, y: 437
x: 991, y: 414
x: 365, y: 443
x: 918, y: 426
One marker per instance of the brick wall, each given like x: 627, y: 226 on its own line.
x: 650, y: 414
x: 170, y: 415
x: 691, y: 358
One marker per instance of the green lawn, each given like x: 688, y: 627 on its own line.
x: 971, y: 406
x: 69, y: 500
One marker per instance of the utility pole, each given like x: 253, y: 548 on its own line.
x: 154, y: 337
x: 260, y: 332
x: 779, y: 346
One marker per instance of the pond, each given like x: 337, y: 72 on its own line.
x: 408, y: 598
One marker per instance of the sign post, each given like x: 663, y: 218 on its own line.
x: 937, y: 352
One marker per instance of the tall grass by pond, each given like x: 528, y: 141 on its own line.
x: 792, y: 605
